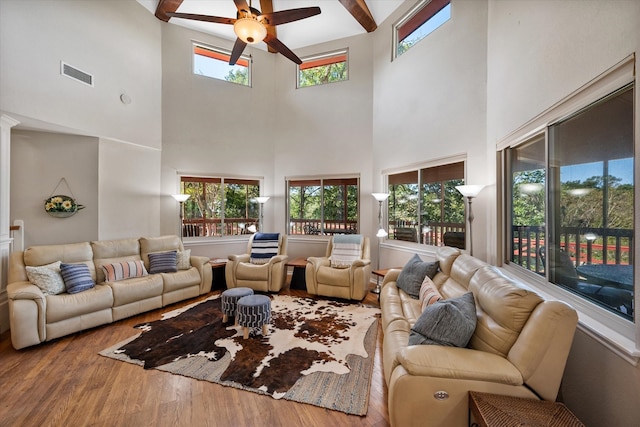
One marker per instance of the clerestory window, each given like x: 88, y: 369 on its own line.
x: 422, y: 20
x: 329, y: 67
x: 213, y: 62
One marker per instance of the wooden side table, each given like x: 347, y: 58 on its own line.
x: 297, y: 279
x: 381, y: 273
x: 494, y: 410
x: 218, y: 281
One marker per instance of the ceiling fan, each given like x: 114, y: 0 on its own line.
x: 251, y: 26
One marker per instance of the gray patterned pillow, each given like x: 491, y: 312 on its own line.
x: 47, y: 278
x: 413, y: 273
x: 449, y: 322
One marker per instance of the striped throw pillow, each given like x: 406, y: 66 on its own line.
x: 163, y: 262
x: 264, y: 247
x: 346, y: 249
x: 428, y: 293
x: 77, y: 277
x: 123, y: 270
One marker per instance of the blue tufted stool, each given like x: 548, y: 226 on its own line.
x: 254, y: 311
x: 230, y: 299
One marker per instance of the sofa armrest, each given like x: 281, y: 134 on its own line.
x: 391, y: 276
x: 317, y: 262
x: 458, y: 363
x: 279, y: 258
x: 206, y: 274
x: 239, y: 258
x: 361, y: 262
x: 27, y: 314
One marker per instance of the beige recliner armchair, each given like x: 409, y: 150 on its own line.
x: 347, y: 281
x: 263, y: 267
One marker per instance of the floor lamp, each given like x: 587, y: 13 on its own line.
x: 382, y: 232
x: 262, y: 200
x: 181, y: 198
x: 470, y: 191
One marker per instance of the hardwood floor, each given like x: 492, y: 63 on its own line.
x: 66, y: 383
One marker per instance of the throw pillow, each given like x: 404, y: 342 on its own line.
x: 123, y: 270
x: 47, y: 278
x: 429, y: 293
x: 413, y: 273
x: 163, y: 262
x: 346, y: 249
x: 77, y: 277
x: 183, y: 259
x: 449, y: 322
x: 264, y: 247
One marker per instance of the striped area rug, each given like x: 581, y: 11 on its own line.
x: 317, y: 351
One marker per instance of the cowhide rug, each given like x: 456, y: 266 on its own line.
x: 317, y: 351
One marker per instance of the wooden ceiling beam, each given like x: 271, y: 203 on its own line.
x: 359, y: 10
x: 166, y: 6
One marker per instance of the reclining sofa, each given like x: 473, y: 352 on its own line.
x: 519, y: 347
x: 37, y: 316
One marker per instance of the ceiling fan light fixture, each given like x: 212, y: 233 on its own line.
x: 250, y: 30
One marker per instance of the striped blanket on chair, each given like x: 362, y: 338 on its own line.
x: 264, y: 247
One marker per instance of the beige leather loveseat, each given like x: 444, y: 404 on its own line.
x: 519, y: 347
x: 36, y: 317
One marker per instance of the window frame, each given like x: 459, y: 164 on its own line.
x: 430, y: 239
x: 321, y: 230
x: 326, y: 58
x: 223, y: 181
x: 415, y: 18
x: 615, y: 332
x: 223, y: 53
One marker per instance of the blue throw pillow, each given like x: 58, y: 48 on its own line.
x: 413, y: 273
x: 163, y: 262
x: 76, y: 277
x: 449, y: 322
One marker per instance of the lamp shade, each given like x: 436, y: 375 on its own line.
x: 382, y: 233
x: 181, y: 197
x: 249, y: 30
x: 381, y: 197
x: 469, y: 190
x: 262, y: 199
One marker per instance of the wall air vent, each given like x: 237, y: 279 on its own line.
x: 76, y: 74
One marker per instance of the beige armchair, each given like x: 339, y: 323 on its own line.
x: 267, y: 275
x: 350, y: 282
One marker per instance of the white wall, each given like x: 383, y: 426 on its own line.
x: 538, y: 53
x: 430, y: 102
x: 39, y: 160
x: 117, y: 42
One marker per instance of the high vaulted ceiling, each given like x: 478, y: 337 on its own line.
x: 338, y: 18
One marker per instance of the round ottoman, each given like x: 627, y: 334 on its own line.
x: 230, y: 299
x: 254, y: 311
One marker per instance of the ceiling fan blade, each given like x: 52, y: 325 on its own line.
x: 241, y: 5
x: 266, y: 6
x: 206, y: 18
x: 284, y: 16
x: 237, y: 50
x: 280, y: 47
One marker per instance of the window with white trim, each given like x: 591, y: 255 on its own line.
x: 213, y: 62
x: 424, y: 205
x: 425, y: 17
x: 569, y: 184
x: 323, y: 205
x: 220, y: 206
x: 328, y: 67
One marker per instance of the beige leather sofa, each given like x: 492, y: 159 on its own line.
x: 36, y: 317
x: 519, y: 347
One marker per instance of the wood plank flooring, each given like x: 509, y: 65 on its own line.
x: 66, y: 383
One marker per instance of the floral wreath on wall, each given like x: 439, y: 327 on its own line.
x: 62, y: 206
